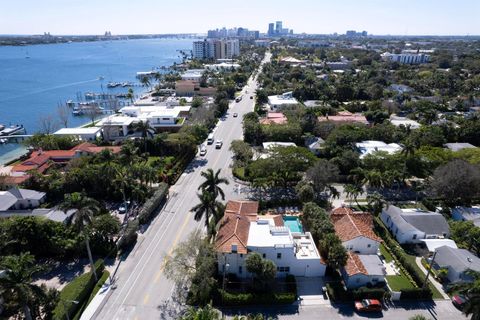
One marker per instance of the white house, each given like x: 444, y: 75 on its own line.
x: 467, y: 214
x: 193, y: 75
x: 242, y: 231
x: 457, y: 262
x: 285, y: 99
x: 406, y: 58
x: 412, y: 225
x: 398, y: 121
x: 363, y: 269
x: 355, y: 230
x: 371, y: 147
x: 19, y: 199
x: 81, y: 134
x: 116, y: 127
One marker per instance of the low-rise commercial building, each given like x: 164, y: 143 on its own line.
x: 406, y: 58
x: 278, y: 101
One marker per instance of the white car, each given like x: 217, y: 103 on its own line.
x: 235, y: 115
x: 218, y: 144
x: 203, y: 150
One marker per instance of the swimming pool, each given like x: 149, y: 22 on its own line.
x: 293, y: 223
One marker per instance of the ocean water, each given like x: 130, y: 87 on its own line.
x: 32, y: 88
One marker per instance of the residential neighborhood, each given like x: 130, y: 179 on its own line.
x: 246, y: 174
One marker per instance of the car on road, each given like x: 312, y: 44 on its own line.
x: 459, y: 301
x: 210, y: 139
x: 203, y: 150
x: 251, y: 97
x: 368, y: 305
x: 238, y: 99
x: 235, y: 115
x: 218, y: 144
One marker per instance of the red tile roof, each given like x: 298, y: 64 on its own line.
x: 345, y: 117
x: 243, y: 208
x: 233, y: 230
x: 349, y: 225
x: 354, y: 265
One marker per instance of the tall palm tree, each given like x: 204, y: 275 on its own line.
x: 144, y: 128
x: 205, y: 313
x: 86, y: 208
x: 353, y: 191
x: 471, y: 290
x: 376, y: 202
x: 409, y: 148
x: 130, y: 95
x: 209, y: 208
x: 212, y: 180
x: 17, y: 281
x: 145, y: 82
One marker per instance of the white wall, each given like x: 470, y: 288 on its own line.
x: 360, y: 280
x: 361, y: 245
x: 402, y: 237
x: 298, y: 267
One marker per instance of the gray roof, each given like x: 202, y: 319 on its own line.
x: 372, y: 264
x: 458, y: 259
x: 7, y: 200
x: 469, y: 214
x: 395, y: 214
x: 428, y: 222
x: 459, y: 146
x: 51, y: 214
x: 27, y: 194
x: 314, y: 142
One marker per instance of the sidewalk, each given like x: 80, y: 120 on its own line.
x: 418, y: 261
x: 92, y: 307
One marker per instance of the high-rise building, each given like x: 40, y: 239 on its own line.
x: 278, y: 27
x: 271, y: 29
x: 216, y: 49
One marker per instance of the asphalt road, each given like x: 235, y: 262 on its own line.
x: 142, y: 291
x: 437, y: 310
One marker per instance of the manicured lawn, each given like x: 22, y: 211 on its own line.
x: 436, y: 294
x: 239, y: 173
x: 399, y: 282
x: 388, y: 257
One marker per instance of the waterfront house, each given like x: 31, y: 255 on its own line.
x: 362, y: 270
x: 194, y: 75
x: 81, y: 134
x: 355, y: 230
x: 19, y: 199
x: 412, y: 225
x: 242, y: 231
x: 457, y: 262
x: 345, y: 117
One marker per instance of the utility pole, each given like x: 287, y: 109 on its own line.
x: 429, y: 270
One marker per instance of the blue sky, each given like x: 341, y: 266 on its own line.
x: 411, y: 17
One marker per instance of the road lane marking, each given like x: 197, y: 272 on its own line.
x: 159, y: 273
x: 146, y: 298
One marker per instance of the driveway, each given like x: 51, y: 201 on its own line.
x: 309, y: 291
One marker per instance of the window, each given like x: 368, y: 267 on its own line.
x: 264, y: 256
x: 414, y: 236
x: 234, y: 248
x: 241, y: 255
x: 287, y: 269
x: 279, y: 255
x: 240, y: 269
x: 369, y: 245
x: 283, y: 269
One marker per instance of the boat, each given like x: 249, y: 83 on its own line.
x: 113, y: 84
x: 127, y: 84
x: 70, y: 103
x: 101, y: 78
x: 13, y: 129
x: 3, y: 141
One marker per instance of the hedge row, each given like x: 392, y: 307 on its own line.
x: 149, y: 208
x: 242, y: 299
x: 399, y: 254
x: 77, y: 290
x: 337, y: 292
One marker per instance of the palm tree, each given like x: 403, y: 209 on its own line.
x: 376, y: 202
x: 209, y: 208
x: 353, y: 191
x: 130, y: 95
x: 409, y: 148
x: 144, y: 128
x: 212, y: 180
x: 471, y: 290
x: 205, y: 313
x: 17, y: 281
x: 145, y: 82
x: 86, y: 208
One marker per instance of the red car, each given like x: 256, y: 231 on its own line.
x: 459, y: 301
x: 368, y: 305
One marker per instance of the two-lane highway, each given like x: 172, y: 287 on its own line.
x: 141, y: 286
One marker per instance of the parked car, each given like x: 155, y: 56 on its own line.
x: 251, y: 97
x: 368, y: 305
x: 235, y: 115
x: 459, y: 301
x: 123, y: 207
x: 218, y: 144
x: 238, y: 99
x: 203, y: 150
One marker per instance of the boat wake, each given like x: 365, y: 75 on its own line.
x: 48, y: 89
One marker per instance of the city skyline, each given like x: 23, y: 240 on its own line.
x: 148, y: 17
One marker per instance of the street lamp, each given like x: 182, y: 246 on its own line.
x: 65, y: 306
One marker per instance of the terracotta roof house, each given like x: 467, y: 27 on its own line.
x: 274, y: 118
x: 242, y: 231
x: 363, y: 269
x: 355, y: 230
x: 345, y: 117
